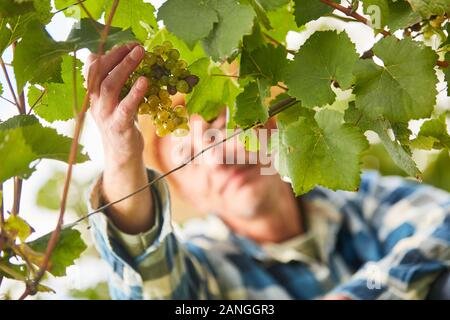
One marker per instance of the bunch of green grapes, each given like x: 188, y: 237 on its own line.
x: 167, y: 74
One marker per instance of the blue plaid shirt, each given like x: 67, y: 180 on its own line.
x: 389, y: 240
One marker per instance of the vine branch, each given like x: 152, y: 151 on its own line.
x: 351, y: 13
x: 8, y: 81
x: 32, y: 286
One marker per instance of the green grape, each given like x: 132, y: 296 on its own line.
x: 152, y: 90
x: 164, y: 81
x: 163, y: 115
x: 163, y: 94
x: 166, y: 102
x: 153, y: 101
x: 173, y: 81
x: 167, y: 45
x: 144, y: 108
x: 181, y: 64
x: 169, y: 64
x: 181, y: 131
x: 150, y: 58
x: 153, y: 110
x: 185, y: 73
x: 169, y: 125
x: 146, y: 69
x: 182, y: 86
x: 161, y: 131
x: 159, y: 61
x: 177, y: 72
x: 180, y: 111
x: 173, y: 54
x: 158, y: 50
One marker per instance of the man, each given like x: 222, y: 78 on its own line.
x: 389, y: 240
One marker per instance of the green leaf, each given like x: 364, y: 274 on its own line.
x: 261, y: 13
x: 69, y: 247
x: 433, y: 134
x: 249, y: 139
x: 324, y: 58
x: 284, y: 21
x: 57, y: 101
x: 134, y: 14
x: 95, y: 8
x: 273, y: 4
x: 307, y: 10
x: 188, y: 54
x: 5, y: 35
x: 189, y: 20
x: 23, y: 139
x: 10, y: 8
x: 213, y: 92
x: 235, y: 21
x: 267, y: 62
x: 401, y: 90
x: 437, y: 173
x: 37, y: 58
x: 250, y: 108
x: 428, y: 8
x: 18, y: 227
x: 378, y: 10
x: 322, y: 151
x: 399, y: 154
x: 85, y: 35
x: 401, y: 15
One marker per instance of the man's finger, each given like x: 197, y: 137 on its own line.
x: 128, y: 107
x: 113, y: 83
x: 100, y: 67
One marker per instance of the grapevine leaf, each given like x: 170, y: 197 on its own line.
x: 134, y: 14
x: 95, y: 8
x: 322, y: 151
x: 235, y: 21
x: 267, y: 62
x: 18, y: 227
x: 12, y: 271
x: 307, y: 10
x: 273, y: 4
x: 433, y: 134
x: 284, y: 21
x: 404, y: 88
x: 401, y: 15
x: 57, y: 101
x: 188, y: 54
x: 85, y: 35
x: 428, y: 8
x: 437, y: 172
x: 213, y: 92
x: 10, y: 8
x: 190, y: 20
x: 5, y: 35
x: 324, y: 58
x: 69, y: 247
x: 378, y: 10
x: 399, y: 154
x: 37, y: 58
x: 250, y: 108
x: 249, y: 139
x: 23, y: 139
x: 261, y: 13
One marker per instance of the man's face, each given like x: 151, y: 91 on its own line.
x: 216, y: 182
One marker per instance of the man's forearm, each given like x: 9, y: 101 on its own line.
x: 135, y: 214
